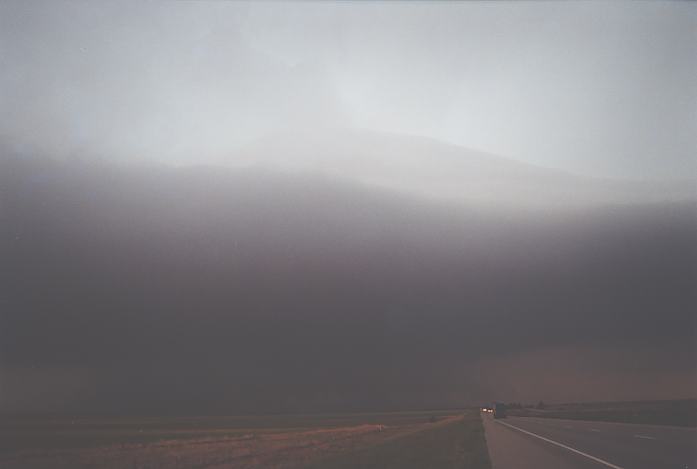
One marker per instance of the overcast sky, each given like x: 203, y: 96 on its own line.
x: 595, y: 88
x: 402, y: 272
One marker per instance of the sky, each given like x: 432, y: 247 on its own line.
x: 603, y: 89
x: 224, y: 208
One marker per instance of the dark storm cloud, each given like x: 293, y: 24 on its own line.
x: 205, y: 290
x: 260, y: 207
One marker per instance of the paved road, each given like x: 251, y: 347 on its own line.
x: 575, y: 444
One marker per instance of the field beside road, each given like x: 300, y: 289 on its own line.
x: 457, y: 442
x: 441, y: 439
x: 680, y: 413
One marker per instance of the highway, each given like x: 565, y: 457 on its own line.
x: 539, y: 443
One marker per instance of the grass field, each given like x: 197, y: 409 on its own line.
x: 453, y: 443
x: 54, y: 432
x: 682, y: 413
x: 441, y: 439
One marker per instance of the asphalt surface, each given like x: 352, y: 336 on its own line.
x: 575, y: 444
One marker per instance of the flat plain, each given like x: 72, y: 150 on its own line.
x: 437, y: 439
x: 677, y: 412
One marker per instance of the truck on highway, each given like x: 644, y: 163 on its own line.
x: 499, y: 410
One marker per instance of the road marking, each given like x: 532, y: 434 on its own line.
x: 595, y: 430
x: 601, y: 461
x: 644, y: 437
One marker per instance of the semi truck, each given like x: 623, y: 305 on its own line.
x: 499, y: 410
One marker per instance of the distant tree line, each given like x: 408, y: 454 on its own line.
x: 518, y: 405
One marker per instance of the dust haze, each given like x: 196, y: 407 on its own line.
x: 289, y: 207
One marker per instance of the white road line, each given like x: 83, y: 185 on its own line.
x: 608, y: 464
x: 595, y: 430
x: 644, y: 437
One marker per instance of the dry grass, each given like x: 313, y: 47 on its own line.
x: 349, y: 440
x: 456, y: 443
